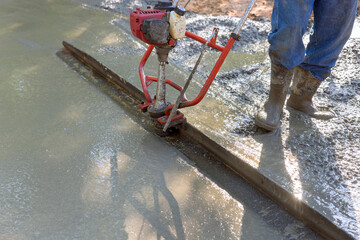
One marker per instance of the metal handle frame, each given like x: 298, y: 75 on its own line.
x: 147, y: 80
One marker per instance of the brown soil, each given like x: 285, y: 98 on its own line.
x: 231, y: 7
x: 261, y: 8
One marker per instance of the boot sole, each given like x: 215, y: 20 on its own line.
x: 266, y: 126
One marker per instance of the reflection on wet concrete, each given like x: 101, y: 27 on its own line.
x: 141, y: 198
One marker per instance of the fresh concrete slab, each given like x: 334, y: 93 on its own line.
x: 314, y: 160
x: 75, y: 165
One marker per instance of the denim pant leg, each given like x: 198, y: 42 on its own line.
x: 289, y: 22
x: 333, y: 23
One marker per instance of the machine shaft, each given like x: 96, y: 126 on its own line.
x: 160, y: 102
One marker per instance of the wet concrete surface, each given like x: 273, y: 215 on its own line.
x: 315, y: 160
x: 76, y: 164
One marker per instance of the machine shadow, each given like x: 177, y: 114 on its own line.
x: 127, y: 187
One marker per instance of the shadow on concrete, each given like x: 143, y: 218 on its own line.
x: 306, y: 166
x: 317, y: 162
x: 126, y: 186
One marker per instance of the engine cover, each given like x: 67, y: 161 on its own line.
x: 154, y: 25
x: 156, y: 31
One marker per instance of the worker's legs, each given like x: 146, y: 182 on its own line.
x: 269, y: 115
x: 333, y: 23
x: 289, y: 22
x: 303, y: 89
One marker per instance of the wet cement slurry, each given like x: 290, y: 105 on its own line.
x: 75, y: 163
x: 315, y: 160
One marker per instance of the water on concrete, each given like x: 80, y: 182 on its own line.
x: 315, y: 160
x: 74, y: 165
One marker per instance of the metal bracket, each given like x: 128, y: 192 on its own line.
x: 235, y: 36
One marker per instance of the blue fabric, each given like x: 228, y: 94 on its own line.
x: 333, y: 23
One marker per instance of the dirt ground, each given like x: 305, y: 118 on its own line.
x: 231, y: 8
x: 261, y: 8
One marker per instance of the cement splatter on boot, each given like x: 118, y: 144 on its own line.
x: 303, y: 89
x: 269, y: 115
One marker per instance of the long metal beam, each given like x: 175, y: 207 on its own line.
x: 296, y: 207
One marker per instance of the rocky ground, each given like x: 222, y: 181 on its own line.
x: 331, y: 147
x: 233, y: 8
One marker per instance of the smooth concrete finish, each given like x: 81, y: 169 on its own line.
x: 75, y: 165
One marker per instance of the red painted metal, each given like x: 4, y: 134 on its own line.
x: 150, y: 79
x: 138, y: 17
x: 147, y: 80
x: 203, y: 41
x: 164, y: 119
x: 209, y: 80
x: 143, y: 76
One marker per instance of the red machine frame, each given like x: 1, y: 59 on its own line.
x: 147, y: 80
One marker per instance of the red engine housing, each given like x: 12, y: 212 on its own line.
x: 137, y: 18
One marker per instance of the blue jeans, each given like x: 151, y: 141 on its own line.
x: 333, y: 23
